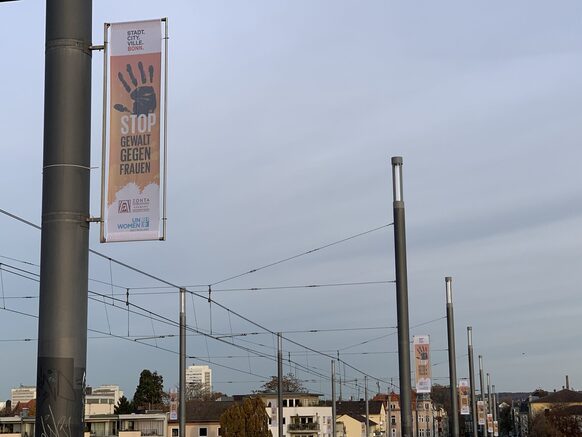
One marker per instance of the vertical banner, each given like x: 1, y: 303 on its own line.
x: 133, y: 182
x: 173, y: 405
x: 490, y: 423
x: 495, y: 428
x: 464, y: 397
x: 422, y: 362
x: 481, y: 412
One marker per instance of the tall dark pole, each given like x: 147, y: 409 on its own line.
x: 472, y: 379
x: 402, y: 299
x: 280, y: 384
x: 367, y: 406
x: 64, y: 253
x: 389, y: 421
x: 452, y: 359
x: 482, y: 389
x: 333, y: 410
x: 182, y: 379
x: 494, y: 395
x: 340, y: 376
x: 489, y: 401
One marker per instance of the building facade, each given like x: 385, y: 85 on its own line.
x: 22, y: 394
x: 102, y: 399
x: 122, y: 425
x: 304, y: 415
x: 429, y: 419
x: 199, y: 375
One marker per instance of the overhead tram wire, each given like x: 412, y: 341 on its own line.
x: 271, y: 288
x: 158, y: 318
x: 308, y: 369
x: 257, y: 353
x: 390, y: 334
x: 37, y: 265
x: 163, y: 319
x: 121, y: 263
x: 229, y: 279
x: 299, y: 255
x: 19, y: 261
x: 120, y: 337
x: 171, y: 285
x: 148, y: 314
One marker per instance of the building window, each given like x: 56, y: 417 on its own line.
x: 428, y: 433
x: 219, y: 431
x: 284, y: 402
x: 203, y: 432
x: 393, y: 420
x: 426, y: 406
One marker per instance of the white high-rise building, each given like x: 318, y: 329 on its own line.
x: 199, y: 374
x: 22, y: 394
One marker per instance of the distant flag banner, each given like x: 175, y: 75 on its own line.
x: 132, y: 210
x: 481, y: 412
x: 422, y: 360
x: 490, y: 423
x: 495, y: 428
x: 173, y: 405
x: 464, y: 397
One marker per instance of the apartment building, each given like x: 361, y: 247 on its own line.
x: 22, y: 394
x: 200, y: 375
x: 102, y: 399
x: 122, y: 425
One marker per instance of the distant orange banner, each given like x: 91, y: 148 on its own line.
x: 422, y: 362
x: 481, y: 412
x: 464, y: 397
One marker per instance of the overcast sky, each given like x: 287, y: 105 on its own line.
x: 282, y: 120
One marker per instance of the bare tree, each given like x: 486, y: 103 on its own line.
x: 290, y: 385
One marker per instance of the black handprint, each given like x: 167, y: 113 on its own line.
x: 143, y: 96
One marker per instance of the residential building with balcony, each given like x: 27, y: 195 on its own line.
x: 122, y: 425
x: 304, y: 415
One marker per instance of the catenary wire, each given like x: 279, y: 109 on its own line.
x: 230, y: 278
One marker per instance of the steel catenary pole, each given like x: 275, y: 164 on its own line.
x: 452, y: 359
x: 402, y: 299
x: 64, y: 253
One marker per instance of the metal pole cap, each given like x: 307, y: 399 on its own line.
x: 397, y: 160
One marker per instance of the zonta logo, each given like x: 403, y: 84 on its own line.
x: 123, y: 206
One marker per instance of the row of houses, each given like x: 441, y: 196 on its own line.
x: 304, y: 415
x: 564, y: 405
